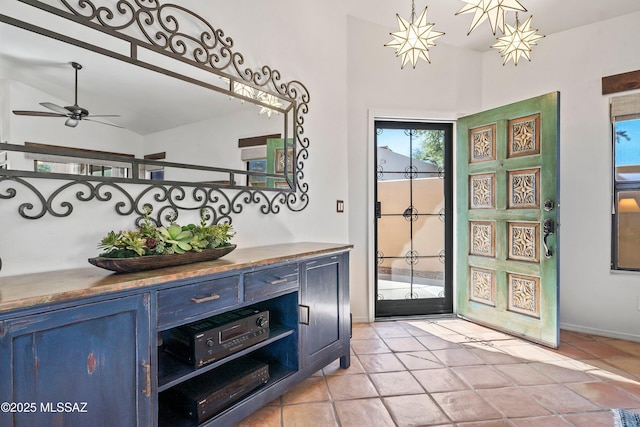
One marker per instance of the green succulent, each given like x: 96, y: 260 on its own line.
x: 148, y: 227
x: 134, y: 242
x: 110, y: 242
x: 197, y: 244
x: 176, y: 237
x: 149, y: 239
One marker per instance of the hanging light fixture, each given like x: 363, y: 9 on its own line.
x: 271, y: 100
x: 243, y: 90
x: 414, y: 38
x: 517, y: 41
x: 494, y: 10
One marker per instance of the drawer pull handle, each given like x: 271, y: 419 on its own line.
x: 205, y: 299
x: 276, y: 281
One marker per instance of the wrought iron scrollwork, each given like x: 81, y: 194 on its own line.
x: 411, y: 257
x: 181, y: 34
x: 410, y: 214
x: 166, y: 202
x: 411, y: 172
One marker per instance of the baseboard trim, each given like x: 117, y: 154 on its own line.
x: 600, y: 332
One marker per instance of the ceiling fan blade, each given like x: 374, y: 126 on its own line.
x: 55, y: 108
x: 37, y: 113
x: 103, y: 115
x: 104, y: 123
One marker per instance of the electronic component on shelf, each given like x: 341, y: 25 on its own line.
x: 211, y: 339
x: 202, y: 397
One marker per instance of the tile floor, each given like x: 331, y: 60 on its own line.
x: 449, y: 372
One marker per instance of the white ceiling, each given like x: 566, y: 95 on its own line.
x: 549, y: 17
x: 146, y: 102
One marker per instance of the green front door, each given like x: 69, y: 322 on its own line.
x: 507, y: 199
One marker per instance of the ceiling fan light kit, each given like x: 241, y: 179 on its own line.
x: 74, y: 113
x: 415, y: 37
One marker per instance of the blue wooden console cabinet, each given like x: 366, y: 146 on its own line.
x: 85, y: 347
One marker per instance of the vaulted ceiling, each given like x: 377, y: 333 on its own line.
x: 549, y: 16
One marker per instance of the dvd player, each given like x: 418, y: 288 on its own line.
x: 202, y: 397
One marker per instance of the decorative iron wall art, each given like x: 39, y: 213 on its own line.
x: 179, y: 34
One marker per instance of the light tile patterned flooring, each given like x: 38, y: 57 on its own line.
x: 449, y: 372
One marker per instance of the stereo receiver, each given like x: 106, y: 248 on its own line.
x: 211, y: 339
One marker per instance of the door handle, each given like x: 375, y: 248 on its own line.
x: 548, y: 228
x: 304, y: 316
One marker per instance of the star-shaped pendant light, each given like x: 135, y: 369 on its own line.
x: 243, y: 90
x: 517, y: 41
x: 271, y: 100
x: 413, y: 40
x: 494, y: 10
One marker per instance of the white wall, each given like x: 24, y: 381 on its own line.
x: 377, y: 87
x: 592, y: 298
x: 212, y: 143
x: 289, y: 36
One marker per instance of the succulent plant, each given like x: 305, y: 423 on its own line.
x: 148, y: 239
x: 110, y: 242
x: 176, y: 237
x: 134, y: 242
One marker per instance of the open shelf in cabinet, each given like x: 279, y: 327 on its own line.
x: 279, y: 351
x: 172, y: 371
x: 171, y: 417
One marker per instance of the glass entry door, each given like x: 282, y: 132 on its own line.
x: 413, y: 224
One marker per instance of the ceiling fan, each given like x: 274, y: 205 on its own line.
x: 74, y: 113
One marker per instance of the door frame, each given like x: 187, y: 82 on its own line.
x: 407, y: 116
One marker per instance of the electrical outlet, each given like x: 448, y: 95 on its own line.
x: 340, y: 206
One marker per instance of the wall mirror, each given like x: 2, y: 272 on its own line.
x: 141, y: 103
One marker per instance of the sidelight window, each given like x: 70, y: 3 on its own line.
x: 625, y: 119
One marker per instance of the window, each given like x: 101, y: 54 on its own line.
x: 74, y: 168
x: 77, y: 164
x: 625, y: 119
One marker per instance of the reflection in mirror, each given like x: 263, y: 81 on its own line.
x: 157, y: 113
x: 166, y: 119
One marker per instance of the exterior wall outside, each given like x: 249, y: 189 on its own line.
x: 391, y: 161
x: 428, y: 232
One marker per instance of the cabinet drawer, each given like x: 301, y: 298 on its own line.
x: 187, y: 301
x: 263, y: 283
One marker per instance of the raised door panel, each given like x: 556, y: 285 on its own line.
x: 87, y: 365
x: 326, y: 324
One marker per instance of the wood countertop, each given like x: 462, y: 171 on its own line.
x: 30, y: 290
